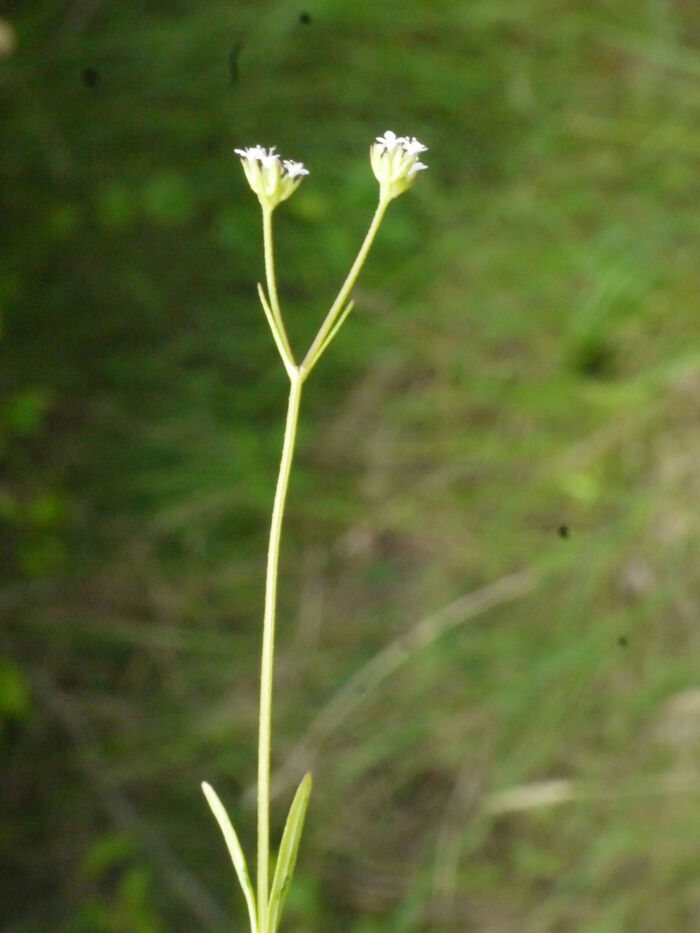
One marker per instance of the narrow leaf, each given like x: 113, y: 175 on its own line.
x: 234, y: 850
x: 287, y: 857
x: 275, y: 328
x: 333, y: 331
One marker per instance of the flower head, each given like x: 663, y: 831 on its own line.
x: 271, y: 178
x: 395, y: 163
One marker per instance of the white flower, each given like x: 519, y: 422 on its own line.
x: 271, y: 178
x: 413, y: 147
x: 390, y: 141
x: 294, y: 168
x: 416, y: 167
x: 255, y: 152
x: 395, y: 164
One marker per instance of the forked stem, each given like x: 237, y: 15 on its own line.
x: 394, y: 161
x: 335, y: 317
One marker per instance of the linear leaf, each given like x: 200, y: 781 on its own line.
x: 234, y: 849
x: 329, y: 337
x: 275, y: 328
x: 287, y: 857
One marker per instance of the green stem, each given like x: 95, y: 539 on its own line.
x: 319, y: 343
x: 269, y: 646
x: 271, y: 281
x: 297, y: 374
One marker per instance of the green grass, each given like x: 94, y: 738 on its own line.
x: 523, y: 356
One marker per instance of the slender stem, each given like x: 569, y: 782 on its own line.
x: 297, y: 374
x: 269, y: 646
x: 318, y: 345
x: 271, y: 281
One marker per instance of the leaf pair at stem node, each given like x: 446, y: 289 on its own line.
x: 286, y: 858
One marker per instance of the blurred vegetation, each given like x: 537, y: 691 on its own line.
x: 518, y: 390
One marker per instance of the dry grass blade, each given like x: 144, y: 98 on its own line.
x: 392, y: 657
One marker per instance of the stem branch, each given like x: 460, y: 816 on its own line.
x: 320, y: 344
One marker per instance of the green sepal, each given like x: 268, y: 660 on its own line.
x: 234, y: 850
x: 287, y: 857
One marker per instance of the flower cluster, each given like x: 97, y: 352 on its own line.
x: 395, y: 163
x: 271, y: 178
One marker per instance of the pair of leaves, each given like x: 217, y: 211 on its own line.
x: 286, y: 860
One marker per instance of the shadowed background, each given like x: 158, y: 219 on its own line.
x: 488, y: 621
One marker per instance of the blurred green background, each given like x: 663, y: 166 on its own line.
x: 512, y: 406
